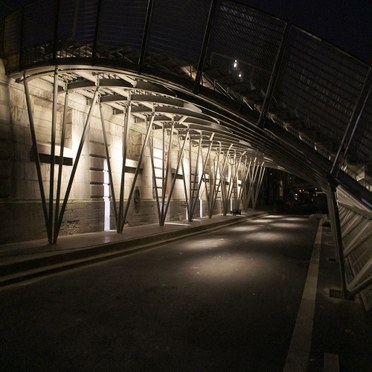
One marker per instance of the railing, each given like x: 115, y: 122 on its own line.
x: 356, y: 227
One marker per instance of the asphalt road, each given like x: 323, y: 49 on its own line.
x: 221, y: 301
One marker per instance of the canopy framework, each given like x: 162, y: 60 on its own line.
x: 246, y: 78
x: 176, y: 121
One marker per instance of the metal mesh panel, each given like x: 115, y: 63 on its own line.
x: 77, y: 27
x: 38, y: 34
x: 176, y: 33
x: 243, y: 47
x: 358, y: 240
x: 121, y: 28
x: 39, y: 18
x: 361, y: 148
x: 320, y: 83
x: 12, y: 34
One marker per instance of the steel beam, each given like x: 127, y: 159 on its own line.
x: 212, y: 11
x: 273, y: 78
x: 353, y: 123
x: 145, y: 34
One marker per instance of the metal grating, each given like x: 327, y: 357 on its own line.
x: 243, y: 47
x: 121, y: 27
x: 177, y: 31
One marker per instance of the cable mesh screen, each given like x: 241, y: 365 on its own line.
x: 176, y: 33
x: 320, y: 84
x: 121, y: 28
x: 243, y: 47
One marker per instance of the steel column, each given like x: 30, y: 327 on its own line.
x: 173, y: 183
x: 124, y: 158
x: 184, y: 180
x: 201, y: 177
x: 52, y: 154
x: 78, y: 154
x: 60, y: 167
x: 37, y: 158
x: 214, y: 188
x: 258, y: 185
x: 155, y: 184
x: 148, y: 131
x: 109, y: 166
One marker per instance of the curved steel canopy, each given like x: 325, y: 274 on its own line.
x: 216, y: 66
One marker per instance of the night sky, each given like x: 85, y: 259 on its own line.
x: 345, y: 23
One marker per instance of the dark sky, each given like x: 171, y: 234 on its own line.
x: 345, y: 23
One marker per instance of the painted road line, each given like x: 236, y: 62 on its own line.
x: 299, y: 349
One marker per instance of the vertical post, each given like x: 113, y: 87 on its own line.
x: 194, y: 180
x: 258, y: 185
x: 154, y: 177
x: 336, y: 229
x: 52, y: 153
x: 167, y: 168
x: 173, y: 182
x: 109, y: 166
x: 216, y: 186
x: 60, y: 167
x: 148, y: 131
x: 124, y: 152
x: 184, y: 179
x: 36, y: 156
x: 202, y: 175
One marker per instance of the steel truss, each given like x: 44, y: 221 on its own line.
x: 53, y: 212
x: 219, y: 164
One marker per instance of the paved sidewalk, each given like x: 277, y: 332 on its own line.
x: 30, y: 259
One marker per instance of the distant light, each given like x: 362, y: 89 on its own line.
x: 240, y: 75
x: 235, y: 64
